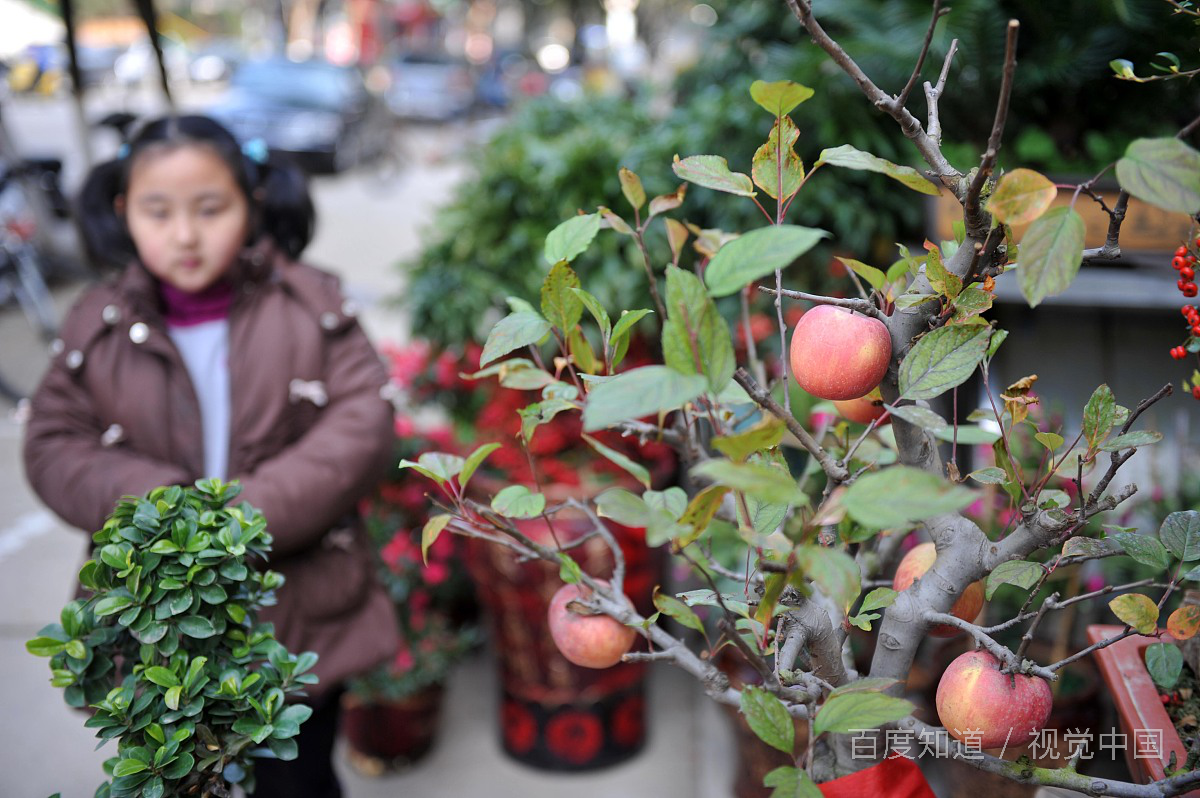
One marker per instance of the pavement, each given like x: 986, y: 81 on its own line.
x: 367, y: 222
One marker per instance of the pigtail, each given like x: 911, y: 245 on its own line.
x: 105, y: 237
x: 286, y: 213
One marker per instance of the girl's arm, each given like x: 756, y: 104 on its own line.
x: 70, y: 468
x: 306, y: 489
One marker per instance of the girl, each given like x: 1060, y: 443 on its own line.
x: 215, y: 354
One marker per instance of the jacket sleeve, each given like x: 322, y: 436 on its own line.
x: 307, y: 488
x: 68, y: 466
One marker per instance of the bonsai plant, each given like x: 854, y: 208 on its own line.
x: 167, y: 652
x: 819, y: 517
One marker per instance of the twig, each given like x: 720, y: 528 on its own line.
x: 1116, y: 459
x: 831, y: 467
x: 902, y: 98
x: 756, y: 365
x: 1011, y: 661
x: 863, y: 306
x: 1095, y: 647
x: 971, y: 200
x: 934, y: 93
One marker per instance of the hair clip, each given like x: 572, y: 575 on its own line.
x: 123, y: 151
x: 255, y: 150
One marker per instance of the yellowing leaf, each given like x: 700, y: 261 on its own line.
x: 1184, y: 622
x: 1136, y: 611
x: 1021, y: 196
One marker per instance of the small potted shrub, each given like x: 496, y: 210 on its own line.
x: 167, y: 652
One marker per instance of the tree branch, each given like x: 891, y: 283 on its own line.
x: 1011, y: 661
x: 899, y: 101
x: 934, y: 93
x: 863, y: 306
x: 971, y: 210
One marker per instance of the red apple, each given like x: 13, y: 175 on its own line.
x: 864, y: 409
x: 837, y: 354
x: 593, y: 641
x: 914, y: 565
x: 984, y: 708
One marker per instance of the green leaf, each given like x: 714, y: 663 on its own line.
x: 1049, y: 439
x: 918, y: 416
x: 989, y: 476
x: 161, y: 676
x: 626, y: 322
x: 767, y: 483
x: 1021, y: 196
x: 44, y: 646
x: 1145, y: 549
x: 430, y: 532
x: 971, y: 302
x: 712, y: 171
x: 943, y: 282
x: 767, y: 434
x: 878, y: 599
x: 869, y: 684
x: 640, y: 392
x: 560, y: 305
x: 111, y: 605
x: 874, y: 277
x: 695, y: 337
x: 1014, y: 572
x: 843, y: 714
x: 1098, y: 415
x: 1180, y: 532
x: 596, y: 309
x: 941, y: 360
x: 1131, y: 440
x: 473, y: 461
x: 756, y: 254
x: 700, y: 512
x: 513, y: 332
x: 516, y: 501
x: 768, y: 718
x: 791, y: 782
x: 1163, y: 172
x: 769, y: 171
x: 1051, y: 252
x: 850, y: 158
x: 568, y: 240
x: 1165, y: 663
x: 180, y: 767
x: 631, y: 187
x: 674, y: 608
x: 623, y: 507
x: 900, y: 495
x: 833, y: 571
x: 127, y: 767
x: 634, y: 468
x: 196, y: 626
x: 779, y: 97
x: 1136, y: 611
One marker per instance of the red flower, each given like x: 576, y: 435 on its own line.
x: 520, y: 728
x: 397, y: 550
x: 574, y: 736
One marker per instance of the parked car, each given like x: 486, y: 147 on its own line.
x: 319, y: 112
x: 430, y: 85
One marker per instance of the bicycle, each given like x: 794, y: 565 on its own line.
x: 21, y: 281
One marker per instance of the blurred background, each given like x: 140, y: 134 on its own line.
x: 445, y: 139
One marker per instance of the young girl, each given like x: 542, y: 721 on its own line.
x: 215, y: 354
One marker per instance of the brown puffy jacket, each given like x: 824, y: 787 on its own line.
x: 310, y: 435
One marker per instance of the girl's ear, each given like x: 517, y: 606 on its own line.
x: 119, y: 205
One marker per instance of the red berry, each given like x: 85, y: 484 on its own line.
x: 1178, y: 263
x: 1179, y: 253
x: 1196, y: 392
x: 1182, y: 284
x: 1187, y: 310
x: 1187, y: 272
x: 1177, y: 353
x: 1189, y: 290
x: 1197, y: 241
x: 1190, y: 260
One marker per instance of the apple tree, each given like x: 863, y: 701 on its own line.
x: 817, y: 535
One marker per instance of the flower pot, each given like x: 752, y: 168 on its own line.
x: 1123, y: 666
x: 386, y: 735
x: 555, y: 715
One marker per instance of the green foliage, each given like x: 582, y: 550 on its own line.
x: 168, y: 650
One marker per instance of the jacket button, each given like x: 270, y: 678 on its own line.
x: 349, y: 308
x: 56, y: 347
x: 139, y: 332
x: 111, y: 314
x: 74, y: 359
x: 329, y: 320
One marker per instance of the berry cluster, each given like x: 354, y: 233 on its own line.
x: 1184, y: 262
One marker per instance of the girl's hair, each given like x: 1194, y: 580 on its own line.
x: 277, y: 191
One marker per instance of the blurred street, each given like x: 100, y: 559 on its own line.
x: 370, y: 218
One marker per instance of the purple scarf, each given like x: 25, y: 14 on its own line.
x: 181, y: 309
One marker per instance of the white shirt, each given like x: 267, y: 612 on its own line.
x: 205, y: 351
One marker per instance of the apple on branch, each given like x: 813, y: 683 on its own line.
x: 913, y: 567
x: 986, y: 708
x: 593, y: 641
x: 864, y: 409
x: 837, y: 354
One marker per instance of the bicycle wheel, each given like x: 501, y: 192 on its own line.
x: 25, y: 323
x: 32, y: 294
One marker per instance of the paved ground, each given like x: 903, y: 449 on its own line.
x: 367, y: 223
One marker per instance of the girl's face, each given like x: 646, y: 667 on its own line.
x: 186, y: 215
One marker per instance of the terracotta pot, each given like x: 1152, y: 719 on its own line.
x: 390, y: 735
x: 556, y: 715
x: 1123, y: 666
